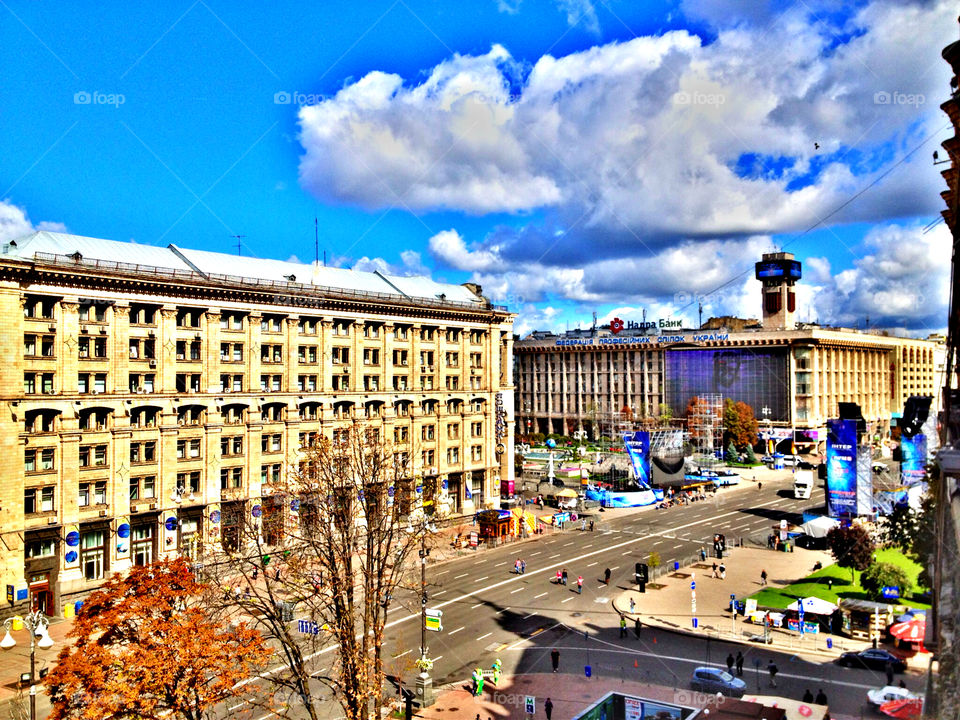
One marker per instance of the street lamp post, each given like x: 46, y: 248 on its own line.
x: 36, y: 624
x: 424, y: 681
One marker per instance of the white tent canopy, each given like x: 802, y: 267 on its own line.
x: 818, y: 527
x: 814, y: 605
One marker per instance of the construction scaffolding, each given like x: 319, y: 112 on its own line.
x: 705, y: 429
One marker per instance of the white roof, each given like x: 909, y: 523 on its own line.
x: 815, y: 605
x: 206, y: 262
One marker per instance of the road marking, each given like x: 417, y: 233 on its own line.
x: 539, y: 552
x: 482, y: 578
x: 677, y: 546
x: 485, y: 636
x: 474, y: 607
x: 454, y: 632
x: 587, y: 545
x: 615, y: 567
x: 442, y: 572
x: 437, y: 658
x: 594, y: 563
x: 536, y: 597
x: 501, y: 611
x: 527, y: 617
x: 565, y: 544
x: 567, y: 600
x: 517, y: 590
x: 461, y: 576
x: 438, y: 594
x: 551, y: 557
x: 405, y: 652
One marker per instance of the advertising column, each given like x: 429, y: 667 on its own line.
x: 637, y: 445
x: 841, y: 467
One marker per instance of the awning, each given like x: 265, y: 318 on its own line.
x: 815, y: 605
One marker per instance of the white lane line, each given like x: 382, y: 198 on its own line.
x: 444, y: 572
x: 438, y: 594
x: 437, y: 658
x: 587, y: 545
x: 594, y: 563
x: 481, y: 578
x: 485, y: 636
x: 677, y: 546
x: 454, y: 632
x: 517, y: 590
x: 501, y: 611
x: 503, y: 563
x: 405, y: 652
x: 460, y: 576
x: 615, y: 567
x: 551, y: 557
x: 536, y: 597
x: 567, y: 600
x: 566, y: 544
x: 539, y: 552
x: 474, y: 607
x: 527, y: 617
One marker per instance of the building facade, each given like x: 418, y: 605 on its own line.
x: 149, y: 396
x: 793, y: 376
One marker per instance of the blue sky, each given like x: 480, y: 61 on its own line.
x: 571, y: 155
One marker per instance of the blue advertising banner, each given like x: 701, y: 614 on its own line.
x: 913, y: 456
x: 841, y: 467
x: 638, y: 448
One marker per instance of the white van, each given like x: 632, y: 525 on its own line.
x: 803, y: 484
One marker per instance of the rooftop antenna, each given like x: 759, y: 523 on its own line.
x: 316, y: 242
x: 238, y: 238
x: 701, y: 313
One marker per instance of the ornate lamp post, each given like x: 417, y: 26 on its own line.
x: 36, y: 624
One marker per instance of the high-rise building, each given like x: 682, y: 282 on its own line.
x: 150, y: 396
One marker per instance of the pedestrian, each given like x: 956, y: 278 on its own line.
x: 739, y: 663
x: 763, y: 577
x: 523, y: 566
x: 889, y: 670
x: 723, y: 571
x: 821, y: 697
x: 559, y: 578
x: 606, y: 576
x: 516, y: 566
x: 714, y: 570
x: 579, y: 584
x: 730, y: 663
x: 276, y: 575
x: 632, y: 605
x: 479, y: 672
x: 583, y: 525
x: 703, y: 554
x: 256, y: 571
x: 636, y: 628
x: 548, y: 708
x: 807, y: 696
x: 623, y: 626
x: 555, y: 659
x: 591, y: 526
x: 564, y: 576
x: 772, y: 669
x: 759, y: 486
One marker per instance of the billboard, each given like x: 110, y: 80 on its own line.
x: 760, y: 378
x: 841, y: 467
x: 638, y: 448
x: 913, y: 457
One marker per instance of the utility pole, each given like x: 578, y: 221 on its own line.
x: 424, y: 681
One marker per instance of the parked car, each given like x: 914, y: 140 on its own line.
x: 805, y: 465
x: 872, y: 659
x: 767, y: 459
x: 879, y: 696
x: 714, y: 680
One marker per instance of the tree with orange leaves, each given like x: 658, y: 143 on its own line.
x: 145, y: 648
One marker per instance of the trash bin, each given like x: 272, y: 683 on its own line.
x: 68, y: 611
x: 829, y: 643
x: 676, y: 565
x: 694, y: 623
x: 77, y: 605
x: 16, y: 623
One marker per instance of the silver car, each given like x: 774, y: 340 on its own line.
x: 714, y: 680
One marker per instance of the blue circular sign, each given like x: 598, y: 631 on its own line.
x: 123, y: 531
x: 215, y: 517
x: 170, y: 524
x: 295, y: 505
x: 73, y: 538
x: 390, y: 491
x: 71, y: 556
x: 444, y: 484
x: 256, y: 511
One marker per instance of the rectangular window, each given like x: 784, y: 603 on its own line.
x: 453, y: 431
x: 401, y: 382
x: 476, y: 429
x: 38, y: 460
x: 371, y: 356
x: 141, y: 544
x: 452, y: 382
x: 307, y: 354
x: 428, y: 333
x: 341, y: 382
x: 100, y: 383
x: 93, y: 554
x: 453, y: 335
x: 428, y: 457
x: 453, y: 359
x: 371, y: 382
x: 188, y: 482
x: 426, y: 382
x: 231, y: 478
x: 29, y: 345
x: 307, y: 327
x: 426, y: 358
x: 341, y: 327
x: 341, y: 355
x: 143, y: 452
x: 476, y: 453
x: 40, y: 548
x: 401, y: 434
x: 427, y: 432
x: 29, y: 384
x: 401, y: 332
x: 371, y: 330
x: 453, y: 456
x: 83, y: 495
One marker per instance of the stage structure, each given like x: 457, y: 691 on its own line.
x: 705, y: 429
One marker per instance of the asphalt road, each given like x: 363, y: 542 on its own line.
x: 489, y: 612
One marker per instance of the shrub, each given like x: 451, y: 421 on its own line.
x: 883, y: 574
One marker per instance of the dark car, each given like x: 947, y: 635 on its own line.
x: 872, y: 660
x: 714, y: 680
x: 805, y: 465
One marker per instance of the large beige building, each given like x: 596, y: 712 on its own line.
x: 793, y: 375
x: 149, y: 395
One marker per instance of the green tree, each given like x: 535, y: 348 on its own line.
x: 665, y: 413
x: 852, y: 548
x: 900, y: 527
x: 653, y: 561
x: 739, y: 424
x: 749, y: 456
x: 924, y: 542
x: 731, y: 455
x: 883, y: 574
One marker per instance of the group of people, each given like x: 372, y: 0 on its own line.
x: 562, y: 579
x: 821, y: 698
x: 520, y: 566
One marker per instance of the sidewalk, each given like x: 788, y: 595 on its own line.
x: 669, y: 608
x: 570, y: 697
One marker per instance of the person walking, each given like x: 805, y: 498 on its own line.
x: 772, y: 669
x: 807, y: 696
x: 889, y: 670
x: 583, y: 525
x: 723, y: 571
x: 730, y: 663
x: 636, y: 628
x: 623, y: 626
x: 555, y: 659
x: 703, y: 554
x: 548, y: 707
x: 523, y: 567
x: 580, y: 584
x: 821, y: 697
x: 739, y: 664
x: 516, y: 566
x: 714, y: 570
x: 632, y: 605
x: 559, y: 578
x: 564, y: 576
x: 606, y: 576
x: 763, y: 577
